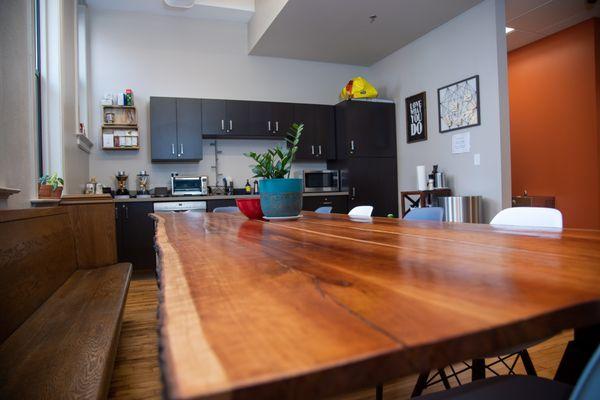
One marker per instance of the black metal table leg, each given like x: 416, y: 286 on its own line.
x: 577, y: 354
x: 444, y: 378
x: 379, y: 392
x: 420, y: 385
x: 527, y: 363
x: 478, y: 369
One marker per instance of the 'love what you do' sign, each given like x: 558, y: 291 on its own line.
x: 416, y: 118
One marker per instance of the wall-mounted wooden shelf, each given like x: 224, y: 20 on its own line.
x: 120, y: 126
x: 119, y: 115
x: 119, y: 129
x: 122, y: 148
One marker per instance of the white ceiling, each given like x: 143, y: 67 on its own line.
x: 535, y: 19
x: 341, y: 31
x: 226, y: 10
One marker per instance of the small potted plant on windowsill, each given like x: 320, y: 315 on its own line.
x: 50, y: 187
x: 280, y: 195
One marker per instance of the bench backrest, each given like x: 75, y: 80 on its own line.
x: 37, y: 255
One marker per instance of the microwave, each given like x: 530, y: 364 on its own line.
x: 189, y: 185
x: 323, y: 180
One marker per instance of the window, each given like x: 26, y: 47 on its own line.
x: 82, y: 68
x: 38, y: 87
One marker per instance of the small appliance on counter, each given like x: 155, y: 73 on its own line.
x: 439, y: 179
x: 189, y: 185
x: 160, y: 191
x: 90, y: 187
x: 122, y: 191
x: 325, y: 180
x: 143, y: 178
x: 228, y: 184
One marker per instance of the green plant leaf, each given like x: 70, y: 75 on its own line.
x: 277, y: 162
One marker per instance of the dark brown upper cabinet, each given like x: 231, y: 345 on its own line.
x: 282, y: 118
x: 189, y: 129
x: 318, y: 137
x: 163, y: 128
x: 177, y: 121
x: 176, y: 129
x: 267, y: 120
x: 225, y: 117
x: 365, y: 129
x: 213, y: 117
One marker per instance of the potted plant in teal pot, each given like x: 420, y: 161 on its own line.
x: 280, y: 195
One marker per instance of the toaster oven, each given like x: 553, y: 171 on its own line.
x: 189, y: 185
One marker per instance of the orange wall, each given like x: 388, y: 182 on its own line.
x: 554, y: 121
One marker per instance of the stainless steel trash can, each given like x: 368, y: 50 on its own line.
x: 461, y: 208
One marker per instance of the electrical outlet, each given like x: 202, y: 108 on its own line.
x: 476, y: 159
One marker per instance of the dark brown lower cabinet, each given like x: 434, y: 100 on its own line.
x: 339, y: 204
x: 373, y: 182
x: 211, y: 205
x: 370, y: 181
x: 135, y: 234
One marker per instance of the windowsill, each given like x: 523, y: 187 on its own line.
x: 5, y: 192
x: 84, y: 142
x: 47, y: 202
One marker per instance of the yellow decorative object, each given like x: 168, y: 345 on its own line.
x: 358, y: 88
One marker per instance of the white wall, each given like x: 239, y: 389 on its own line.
x: 76, y: 161
x: 265, y: 12
x: 181, y: 57
x: 18, y: 157
x: 473, y: 43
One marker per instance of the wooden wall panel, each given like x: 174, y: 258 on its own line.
x: 37, y: 255
x: 95, y: 233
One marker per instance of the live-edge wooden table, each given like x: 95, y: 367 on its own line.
x: 326, y: 304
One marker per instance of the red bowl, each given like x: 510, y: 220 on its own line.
x: 250, y: 208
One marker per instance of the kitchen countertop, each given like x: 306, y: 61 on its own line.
x: 94, y: 199
x: 222, y: 197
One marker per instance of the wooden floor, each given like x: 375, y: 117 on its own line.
x: 137, y: 375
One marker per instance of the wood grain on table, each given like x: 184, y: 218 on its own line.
x: 327, y: 304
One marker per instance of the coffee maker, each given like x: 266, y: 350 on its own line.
x: 143, y: 179
x: 122, y: 191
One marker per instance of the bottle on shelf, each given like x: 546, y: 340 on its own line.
x: 248, y: 187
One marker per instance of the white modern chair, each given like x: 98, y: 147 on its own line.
x: 361, y: 211
x: 537, y: 217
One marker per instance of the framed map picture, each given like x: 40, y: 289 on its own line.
x: 416, y: 118
x: 458, y: 105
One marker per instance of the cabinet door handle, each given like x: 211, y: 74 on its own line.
x: 276, y: 126
x: 353, y: 192
x: 172, y: 148
x: 269, y: 126
x: 352, y: 148
x: 230, y: 125
x: 320, y: 152
x: 222, y: 124
x: 116, y: 213
x: 126, y: 212
x: 312, y: 149
x: 181, y: 147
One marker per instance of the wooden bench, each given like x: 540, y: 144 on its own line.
x: 59, y: 321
